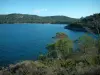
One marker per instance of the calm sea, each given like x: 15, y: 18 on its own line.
x: 26, y: 41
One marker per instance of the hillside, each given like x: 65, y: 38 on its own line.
x: 25, y: 18
x: 92, y: 22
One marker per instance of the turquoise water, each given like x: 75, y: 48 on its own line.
x: 26, y: 41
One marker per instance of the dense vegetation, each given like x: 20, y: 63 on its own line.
x: 62, y: 58
x: 91, y: 22
x: 25, y: 18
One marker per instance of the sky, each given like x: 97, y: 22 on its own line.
x: 70, y: 8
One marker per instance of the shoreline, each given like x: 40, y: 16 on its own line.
x: 32, y: 23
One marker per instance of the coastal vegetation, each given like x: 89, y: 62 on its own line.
x: 89, y: 23
x: 62, y: 58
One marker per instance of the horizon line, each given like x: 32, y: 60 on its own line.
x: 45, y: 16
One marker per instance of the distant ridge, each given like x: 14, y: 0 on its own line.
x: 26, y: 18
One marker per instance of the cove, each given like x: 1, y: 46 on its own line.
x: 26, y: 41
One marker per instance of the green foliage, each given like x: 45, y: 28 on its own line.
x: 64, y: 47
x: 91, y: 20
x: 51, y: 51
x: 67, y: 63
x: 89, y: 24
x: 86, y: 43
x: 42, y: 57
x: 98, y: 45
x: 61, y: 48
x: 51, y: 47
x: 52, y: 54
x: 90, y: 59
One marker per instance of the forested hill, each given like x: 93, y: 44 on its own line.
x: 92, y: 22
x: 25, y: 18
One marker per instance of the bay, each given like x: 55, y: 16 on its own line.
x: 26, y: 41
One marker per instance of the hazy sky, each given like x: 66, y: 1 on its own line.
x: 71, y: 8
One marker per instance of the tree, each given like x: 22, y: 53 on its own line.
x: 42, y: 57
x: 86, y: 43
x: 61, y: 48
x: 51, y: 51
